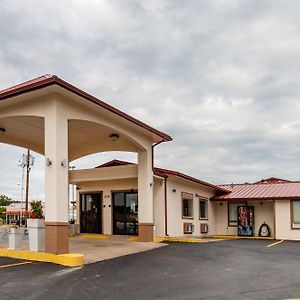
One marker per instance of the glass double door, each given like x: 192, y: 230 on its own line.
x: 90, y: 213
x: 125, y: 213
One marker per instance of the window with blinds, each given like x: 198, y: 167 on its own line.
x: 295, y: 214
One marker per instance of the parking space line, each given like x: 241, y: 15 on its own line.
x: 274, y: 244
x: 16, y: 264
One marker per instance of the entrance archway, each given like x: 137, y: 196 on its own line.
x: 54, y: 118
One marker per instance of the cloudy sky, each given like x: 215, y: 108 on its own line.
x: 221, y: 77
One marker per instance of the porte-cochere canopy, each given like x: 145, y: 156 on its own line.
x: 62, y: 122
x: 91, y: 121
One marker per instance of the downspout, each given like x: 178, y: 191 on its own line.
x: 153, y: 152
x: 165, y: 189
x: 166, y: 207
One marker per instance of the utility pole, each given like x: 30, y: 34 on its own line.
x: 27, y: 181
x: 27, y: 161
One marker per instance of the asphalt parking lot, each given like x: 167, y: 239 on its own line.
x: 232, y: 269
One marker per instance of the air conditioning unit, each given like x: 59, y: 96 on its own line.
x: 188, y: 228
x: 204, y: 228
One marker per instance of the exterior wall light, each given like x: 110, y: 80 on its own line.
x: 48, y: 162
x: 114, y: 137
x: 2, y: 131
x: 63, y: 163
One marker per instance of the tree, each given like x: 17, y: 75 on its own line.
x: 2, y: 213
x: 5, y: 201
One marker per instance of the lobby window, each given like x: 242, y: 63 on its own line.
x: 232, y: 213
x: 187, y: 205
x: 203, y: 208
x: 295, y: 205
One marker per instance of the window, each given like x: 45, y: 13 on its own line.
x: 295, y: 213
x: 203, y: 209
x: 232, y: 213
x: 187, y: 205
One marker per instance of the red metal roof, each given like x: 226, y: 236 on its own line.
x: 165, y: 173
x: 48, y: 80
x: 261, y: 191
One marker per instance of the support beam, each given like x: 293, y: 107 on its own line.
x: 56, y: 177
x: 145, y: 196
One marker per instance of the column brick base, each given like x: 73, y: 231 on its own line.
x: 57, y: 237
x: 145, y: 232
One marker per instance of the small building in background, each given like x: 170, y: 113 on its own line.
x: 15, y: 213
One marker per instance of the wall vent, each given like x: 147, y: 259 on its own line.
x: 204, y: 228
x: 188, y: 228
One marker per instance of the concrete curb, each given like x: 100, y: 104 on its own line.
x: 68, y: 260
x: 234, y: 237
x: 177, y: 240
x: 95, y: 236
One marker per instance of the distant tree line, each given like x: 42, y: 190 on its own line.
x: 4, y: 201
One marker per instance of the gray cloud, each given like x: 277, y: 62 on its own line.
x: 220, y: 76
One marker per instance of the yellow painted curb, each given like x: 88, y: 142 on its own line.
x: 95, y: 236
x: 134, y: 238
x: 15, y: 265
x: 235, y: 237
x: 274, y: 244
x: 68, y: 260
x: 177, y: 240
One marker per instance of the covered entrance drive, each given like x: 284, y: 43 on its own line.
x: 125, y: 213
x: 91, y: 213
x: 63, y: 123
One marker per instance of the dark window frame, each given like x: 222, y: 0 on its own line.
x: 190, y: 199
x: 205, y: 200
x: 292, y: 215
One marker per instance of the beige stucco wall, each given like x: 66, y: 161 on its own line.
x: 283, y: 221
x: 174, y: 211
x: 262, y: 213
x: 174, y: 201
x: 159, y: 206
x: 221, y: 219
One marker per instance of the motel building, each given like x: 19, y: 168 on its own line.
x: 185, y: 206
x: 64, y: 123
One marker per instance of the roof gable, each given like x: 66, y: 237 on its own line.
x: 273, y: 180
x: 165, y: 173
x: 48, y: 80
x: 114, y: 163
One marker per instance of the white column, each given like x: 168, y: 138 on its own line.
x: 145, y: 195
x: 56, y: 176
x: 106, y: 211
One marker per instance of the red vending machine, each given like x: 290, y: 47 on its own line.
x: 245, y: 220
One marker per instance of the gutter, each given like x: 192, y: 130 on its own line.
x: 166, y: 207
x: 153, y: 152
